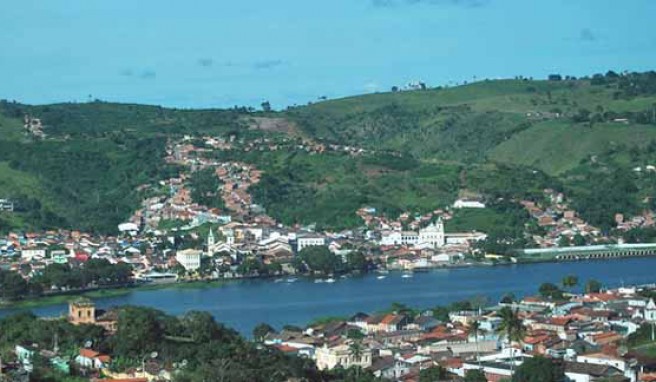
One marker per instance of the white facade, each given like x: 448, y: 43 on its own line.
x: 29, y: 254
x: 433, y: 234
x: 309, y: 241
x: 464, y: 203
x: 329, y: 358
x: 189, y: 259
x: 650, y: 311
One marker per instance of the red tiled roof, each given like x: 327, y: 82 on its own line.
x: 88, y: 353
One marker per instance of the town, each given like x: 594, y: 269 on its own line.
x: 203, y: 226
x: 595, y: 335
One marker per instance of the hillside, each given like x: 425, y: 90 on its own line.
x: 500, y: 139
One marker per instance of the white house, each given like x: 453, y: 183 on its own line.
x: 330, y: 357
x: 466, y: 203
x: 29, y: 254
x: 400, y: 238
x: 309, y: 240
x: 189, y: 259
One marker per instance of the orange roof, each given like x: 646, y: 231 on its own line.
x: 532, y: 340
x: 388, y: 319
x: 287, y: 348
x: 561, y: 321
x: 601, y: 296
x: 88, y: 353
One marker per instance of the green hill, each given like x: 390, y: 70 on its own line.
x: 500, y: 138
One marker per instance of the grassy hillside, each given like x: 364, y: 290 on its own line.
x: 556, y: 147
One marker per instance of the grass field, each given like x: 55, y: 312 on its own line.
x: 556, y: 147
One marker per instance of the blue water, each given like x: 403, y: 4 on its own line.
x: 244, y: 304
x: 221, y: 53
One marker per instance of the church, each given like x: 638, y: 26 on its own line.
x: 431, y: 235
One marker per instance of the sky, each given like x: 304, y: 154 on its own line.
x: 222, y: 53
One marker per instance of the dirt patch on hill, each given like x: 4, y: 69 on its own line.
x: 276, y: 125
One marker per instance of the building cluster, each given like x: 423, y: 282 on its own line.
x: 557, y: 222
x: 33, y: 126
x: 645, y: 220
x: 86, y: 361
x: 585, y: 334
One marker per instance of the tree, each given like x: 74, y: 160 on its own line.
x: 432, y: 374
x: 474, y: 375
x: 320, y: 259
x: 200, y: 326
x: 266, y: 106
x: 593, y: 286
x: 355, y: 334
x: 356, y: 261
x: 539, y: 369
x: 511, y: 326
x: 508, y: 298
x: 475, y: 326
x: 550, y: 291
x: 579, y: 240
x: 261, y: 330
x: 12, y: 285
x: 555, y: 77
x: 570, y: 281
x: 139, y: 332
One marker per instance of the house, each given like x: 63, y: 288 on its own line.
x: 91, y: 359
x: 424, y: 323
x: 189, y: 259
x: 468, y: 203
x: 344, y: 355
x: 309, y: 240
x: 587, y: 372
x: 24, y: 353
x: 390, y: 368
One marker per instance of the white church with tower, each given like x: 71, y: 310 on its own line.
x: 431, y: 235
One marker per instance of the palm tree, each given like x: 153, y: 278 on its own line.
x: 475, y: 326
x: 512, y: 327
x: 356, y: 351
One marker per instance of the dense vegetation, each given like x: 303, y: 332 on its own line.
x: 207, y: 350
x: 58, y: 277
x: 505, y: 139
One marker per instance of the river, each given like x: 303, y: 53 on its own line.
x: 244, y: 304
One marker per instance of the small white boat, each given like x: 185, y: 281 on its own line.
x: 407, y: 275
x: 278, y: 280
x: 291, y: 280
x: 381, y: 277
x: 318, y: 281
x: 330, y: 280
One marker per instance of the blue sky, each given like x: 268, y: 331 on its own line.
x: 220, y: 53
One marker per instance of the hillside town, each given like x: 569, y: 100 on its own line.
x: 174, y: 237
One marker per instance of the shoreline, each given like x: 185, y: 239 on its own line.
x: 109, y: 292
x: 62, y: 298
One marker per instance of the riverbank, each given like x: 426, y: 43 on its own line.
x: 244, y: 303
x: 62, y: 298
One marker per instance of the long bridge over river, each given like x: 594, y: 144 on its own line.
x: 588, y: 252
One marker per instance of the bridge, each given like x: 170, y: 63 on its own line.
x: 588, y: 252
